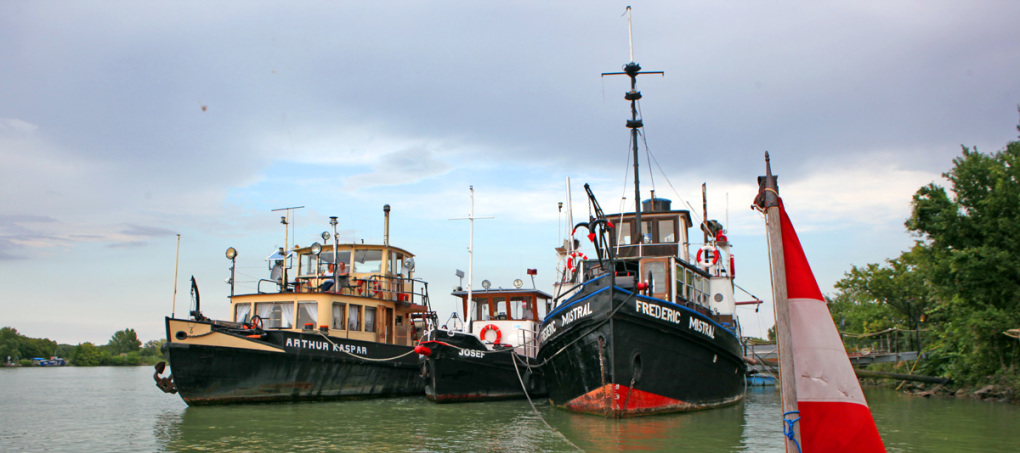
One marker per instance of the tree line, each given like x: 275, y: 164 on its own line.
x: 959, y: 285
x: 124, y: 348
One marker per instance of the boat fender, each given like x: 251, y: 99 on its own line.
x: 486, y: 329
x: 423, y: 350
x: 711, y: 256
x: 570, y: 259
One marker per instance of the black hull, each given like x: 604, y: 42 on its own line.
x: 608, y: 352
x: 461, y: 374
x: 279, y: 366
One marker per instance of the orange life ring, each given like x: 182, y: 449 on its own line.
x: 370, y: 287
x: 707, y: 249
x: 570, y: 259
x: 486, y: 329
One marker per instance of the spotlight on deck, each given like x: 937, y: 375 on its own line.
x: 316, y: 248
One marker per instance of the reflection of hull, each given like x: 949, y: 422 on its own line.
x: 213, y: 364
x: 458, y: 374
x: 608, y: 352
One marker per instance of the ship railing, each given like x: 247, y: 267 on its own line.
x: 382, y: 287
x: 527, y: 339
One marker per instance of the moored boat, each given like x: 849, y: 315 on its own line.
x: 344, y: 326
x: 494, y: 358
x: 641, y: 327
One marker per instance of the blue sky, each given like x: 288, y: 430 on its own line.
x: 123, y: 124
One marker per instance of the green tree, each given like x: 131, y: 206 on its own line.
x: 86, y: 354
x: 972, y: 242
x: 124, y: 341
x: 154, y: 348
x: 10, y: 344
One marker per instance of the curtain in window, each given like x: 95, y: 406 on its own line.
x: 308, y: 312
x: 241, y: 312
x: 369, y: 319
x: 276, y: 314
x: 338, y: 316
x: 354, y: 318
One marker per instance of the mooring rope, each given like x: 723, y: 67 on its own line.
x: 539, y: 414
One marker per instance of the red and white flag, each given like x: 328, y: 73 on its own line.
x: 834, y: 416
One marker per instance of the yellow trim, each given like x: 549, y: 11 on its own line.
x: 202, y: 334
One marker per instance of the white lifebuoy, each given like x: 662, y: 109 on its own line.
x: 486, y: 329
x: 711, y: 256
x: 570, y: 259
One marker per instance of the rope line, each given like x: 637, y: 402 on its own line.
x: 788, y: 427
x: 539, y: 414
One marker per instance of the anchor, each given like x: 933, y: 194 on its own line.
x: 166, y: 384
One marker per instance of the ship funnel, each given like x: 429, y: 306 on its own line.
x: 386, y: 225
x: 656, y: 205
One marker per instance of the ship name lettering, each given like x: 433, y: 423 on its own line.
x: 575, y: 313
x: 472, y: 353
x: 702, y: 327
x: 325, y: 346
x: 547, y: 331
x: 659, y: 312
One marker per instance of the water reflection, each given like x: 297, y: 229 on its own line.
x: 716, y: 430
x: 403, y: 424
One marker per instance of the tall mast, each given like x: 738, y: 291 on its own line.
x: 632, y: 70
x: 469, y: 317
x: 769, y: 202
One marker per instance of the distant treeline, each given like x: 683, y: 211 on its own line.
x: 124, y: 348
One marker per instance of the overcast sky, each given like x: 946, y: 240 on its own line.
x: 123, y: 124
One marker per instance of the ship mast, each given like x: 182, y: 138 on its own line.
x: 469, y: 316
x: 632, y: 70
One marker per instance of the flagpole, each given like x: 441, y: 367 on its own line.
x: 769, y: 199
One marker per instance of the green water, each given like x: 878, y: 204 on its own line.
x: 120, y: 410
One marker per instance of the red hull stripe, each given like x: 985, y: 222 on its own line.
x: 837, y: 427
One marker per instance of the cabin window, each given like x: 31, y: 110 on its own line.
x: 646, y: 231
x: 308, y: 312
x: 242, y: 312
x: 481, y: 308
x: 396, y: 263
x: 625, y: 232
x: 278, y: 315
x: 326, y: 262
x: 368, y: 261
x: 521, y: 308
x: 354, y: 317
x: 369, y: 319
x: 501, y: 311
x: 666, y: 233
x: 338, y: 315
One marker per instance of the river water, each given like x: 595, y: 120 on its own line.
x: 119, y: 409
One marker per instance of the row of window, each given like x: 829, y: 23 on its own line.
x: 662, y: 231
x: 520, y: 308
x: 280, y: 315
x: 691, y: 286
x: 365, y: 262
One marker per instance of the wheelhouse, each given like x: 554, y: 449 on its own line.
x: 358, y: 291
x: 659, y: 253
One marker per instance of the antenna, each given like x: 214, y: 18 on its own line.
x: 630, y: 30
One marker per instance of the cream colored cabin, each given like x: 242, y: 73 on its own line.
x: 372, y: 297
